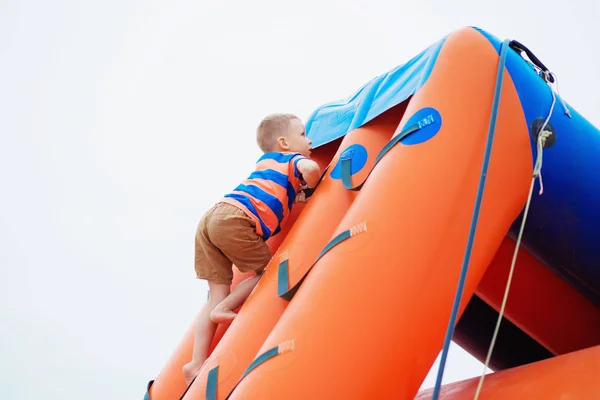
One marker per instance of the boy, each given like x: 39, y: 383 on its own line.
x: 234, y: 230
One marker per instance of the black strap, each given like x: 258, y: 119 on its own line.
x: 283, y: 277
x: 283, y: 289
x: 211, y: 384
x: 519, y: 48
x: 147, y: 395
x: 346, y: 162
x: 259, y: 360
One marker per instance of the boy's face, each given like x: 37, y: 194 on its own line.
x: 296, y: 140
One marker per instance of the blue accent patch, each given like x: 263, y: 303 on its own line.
x: 357, y: 154
x: 430, y: 123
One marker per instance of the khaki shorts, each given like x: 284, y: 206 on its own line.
x: 226, y: 235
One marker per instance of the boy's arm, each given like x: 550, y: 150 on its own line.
x: 310, y: 170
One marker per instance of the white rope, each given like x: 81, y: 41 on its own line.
x: 565, y: 108
x: 543, y: 135
x: 510, y: 275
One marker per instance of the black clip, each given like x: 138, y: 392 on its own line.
x: 519, y: 48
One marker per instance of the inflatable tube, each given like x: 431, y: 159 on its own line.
x: 370, y: 319
x: 294, y: 258
x: 570, y: 376
x: 540, y: 303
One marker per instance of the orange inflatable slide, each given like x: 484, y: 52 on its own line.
x: 407, y: 243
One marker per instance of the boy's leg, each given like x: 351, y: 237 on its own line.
x: 238, y: 241
x: 223, y: 312
x: 214, y: 267
x: 205, y: 330
x: 226, y: 235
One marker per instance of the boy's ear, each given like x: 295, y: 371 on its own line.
x: 281, y: 140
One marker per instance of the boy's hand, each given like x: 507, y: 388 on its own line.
x: 301, y: 197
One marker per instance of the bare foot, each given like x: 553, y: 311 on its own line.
x: 190, y: 370
x: 222, y: 315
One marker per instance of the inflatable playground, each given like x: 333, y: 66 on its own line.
x: 460, y: 201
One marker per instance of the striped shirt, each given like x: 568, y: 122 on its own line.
x: 268, y: 194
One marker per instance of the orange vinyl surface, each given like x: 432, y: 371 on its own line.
x: 573, y: 376
x: 370, y: 318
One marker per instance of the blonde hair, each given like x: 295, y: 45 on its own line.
x: 270, y: 128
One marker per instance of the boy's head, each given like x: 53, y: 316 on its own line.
x: 283, y: 132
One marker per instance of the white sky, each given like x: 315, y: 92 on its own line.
x: 121, y: 122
